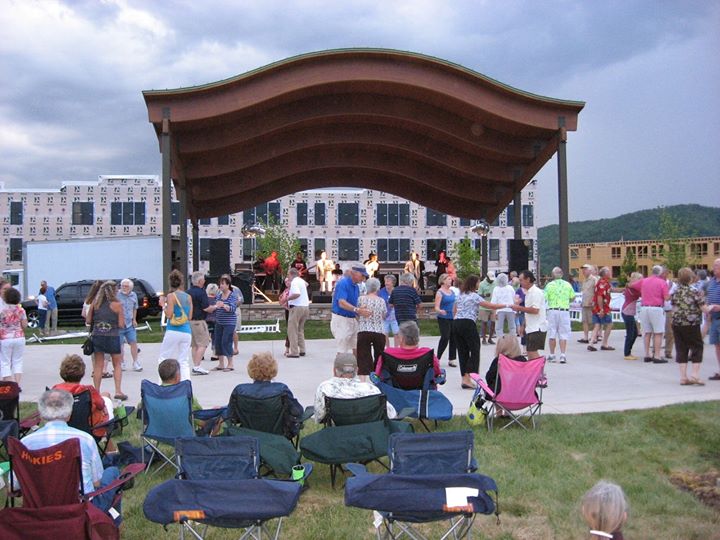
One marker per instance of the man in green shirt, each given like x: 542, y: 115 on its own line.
x: 486, y: 316
x: 558, y: 295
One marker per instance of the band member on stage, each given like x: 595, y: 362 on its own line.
x: 324, y: 271
x: 299, y: 265
x: 271, y: 265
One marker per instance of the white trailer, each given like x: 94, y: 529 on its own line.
x: 62, y: 261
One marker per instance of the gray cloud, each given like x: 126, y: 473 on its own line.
x: 71, y: 108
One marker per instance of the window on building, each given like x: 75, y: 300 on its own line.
x: 175, y: 213
x: 205, y: 221
x: 528, y: 218
x: 531, y: 249
x: 261, y: 213
x: 435, y: 219
x: 304, y: 243
x: 699, y: 250
x: 643, y: 269
x: 204, y: 251
x: 433, y: 247
x: 716, y: 249
x: 574, y: 254
x: 616, y: 252
x: 83, y: 213
x: 347, y: 214
x: 320, y: 213
x: 465, y: 222
x: 496, y: 222
x: 510, y: 215
x: 319, y: 246
x: 16, y: 249
x: 393, y: 249
x: 224, y: 220
x: 588, y: 253
x: 127, y: 213
x: 393, y: 214
x: 16, y: 213
x: 302, y: 213
x: 493, y: 249
x: 348, y: 249
x: 642, y: 252
x: 248, y: 246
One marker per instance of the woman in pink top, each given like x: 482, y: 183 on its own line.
x: 409, y: 348
x: 13, y: 322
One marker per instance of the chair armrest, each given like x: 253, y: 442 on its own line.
x: 208, y: 414
x: 406, y: 412
x: 440, y: 379
x: 127, y: 475
x: 356, y: 469
x: 482, y: 384
x: 309, y: 411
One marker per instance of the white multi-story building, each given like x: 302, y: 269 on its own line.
x: 347, y: 223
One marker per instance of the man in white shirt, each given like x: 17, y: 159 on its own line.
x: 299, y: 305
x: 345, y: 385
x: 535, y: 319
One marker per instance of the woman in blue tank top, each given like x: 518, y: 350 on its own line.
x: 444, y: 303
x: 178, y: 312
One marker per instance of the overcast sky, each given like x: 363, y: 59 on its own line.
x: 71, y: 76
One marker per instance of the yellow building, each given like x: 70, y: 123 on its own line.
x: 701, y: 251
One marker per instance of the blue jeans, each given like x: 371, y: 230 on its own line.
x: 104, y: 501
x: 631, y: 332
x: 223, y: 340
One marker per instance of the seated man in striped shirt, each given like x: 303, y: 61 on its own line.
x: 405, y: 299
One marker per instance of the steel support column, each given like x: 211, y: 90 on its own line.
x: 517, y: 215
x: 183, y: 248
x: 166, y: 198
x: 195, y: 245
x: 563, y: 198
x: 484, y: 253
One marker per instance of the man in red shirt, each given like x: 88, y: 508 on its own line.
x: 653, y: 293
x: 271, y: 266
x: 601, y: 311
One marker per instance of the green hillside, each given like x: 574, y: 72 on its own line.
x: 695, y: 220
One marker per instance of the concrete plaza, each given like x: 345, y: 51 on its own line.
x: 590, y: 381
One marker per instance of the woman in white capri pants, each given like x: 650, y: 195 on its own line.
x: 504, y: 294
x: 13, y: 322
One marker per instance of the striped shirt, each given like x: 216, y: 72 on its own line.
x: 226, y: 318
x: 713, y: 295
x: 405, y: 300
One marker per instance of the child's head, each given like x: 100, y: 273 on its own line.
x: 604, y: 508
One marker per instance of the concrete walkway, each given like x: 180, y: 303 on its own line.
x: 599, y: 381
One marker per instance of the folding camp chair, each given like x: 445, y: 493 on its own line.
x: 411, y: 387
x: 166, y: 415
x: 52, y: 477
x: 431, y: 479
x: 8, y: 428
x: 356, y: 430
x: 10, y: 408
x: 220, y: 486
x: 520, y: 392
x: 81, y: 419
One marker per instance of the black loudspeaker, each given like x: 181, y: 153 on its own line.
x: 219, y: 256
x: 321, y: 298
x: 518, y: 256
x: 244, y: 281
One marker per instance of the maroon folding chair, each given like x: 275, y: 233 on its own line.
x: 10, y: 407
x: 520, y: 392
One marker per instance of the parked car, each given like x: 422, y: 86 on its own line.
x: 71, y: 296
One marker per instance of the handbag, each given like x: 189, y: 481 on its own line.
x: 177, y: 320
x: 476, y: 413
x: 87, y: 346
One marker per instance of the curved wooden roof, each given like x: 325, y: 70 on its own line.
x: 403, y: 123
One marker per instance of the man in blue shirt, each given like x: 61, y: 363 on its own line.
x: 52, y: 309
x: 405, y: 300
x: 343, y: 323
x: 712, y: 300
x: 390, y: 324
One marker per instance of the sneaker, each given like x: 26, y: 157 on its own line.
x: 137, y: 366
x: 123, y: 366
x: 199, y: 371
x: 647, y: 359
x: 563, y: 359
x: 551, y: 358
x: 631, y: 357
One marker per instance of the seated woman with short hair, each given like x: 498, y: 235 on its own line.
x: 72, y: 370
x: 262, y: 369
x: 509, y: 347
x: 409, y: 349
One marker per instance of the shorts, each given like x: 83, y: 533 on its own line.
x: 484, y: 315
x: 601, y: 319
x: 344, y: 330
x: 558, y: 324
x: 714, y: 332
x: 238, y: 315
x: 535, y: 341
x: 587, y: 315
x: 200, y: 334
x: 391, y: 326
x: 128, y: 334
x: 106, y: 344
x: 652, y: 320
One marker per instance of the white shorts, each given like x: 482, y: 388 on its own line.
x: 177, y: 345
x: 11, y: 356
x: 652, y: 320
x: 558, y: 324
x: 344, y: 330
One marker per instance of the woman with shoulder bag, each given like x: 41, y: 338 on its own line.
x: 177, y: 307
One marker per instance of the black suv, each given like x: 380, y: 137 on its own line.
x: 71, y: 296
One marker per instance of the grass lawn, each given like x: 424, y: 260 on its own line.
x: 541, y: 475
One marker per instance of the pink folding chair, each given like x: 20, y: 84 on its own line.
x: 520, y: 390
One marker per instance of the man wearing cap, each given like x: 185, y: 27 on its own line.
x: 344, y: 385
x: 587, y: 289
x: 486, y: 316
x: 343, y: 323
x: 558, y: 295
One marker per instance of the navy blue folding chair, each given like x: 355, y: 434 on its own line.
x: 431, y: 479
x: 167, y: 416
x: 219, y: 485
